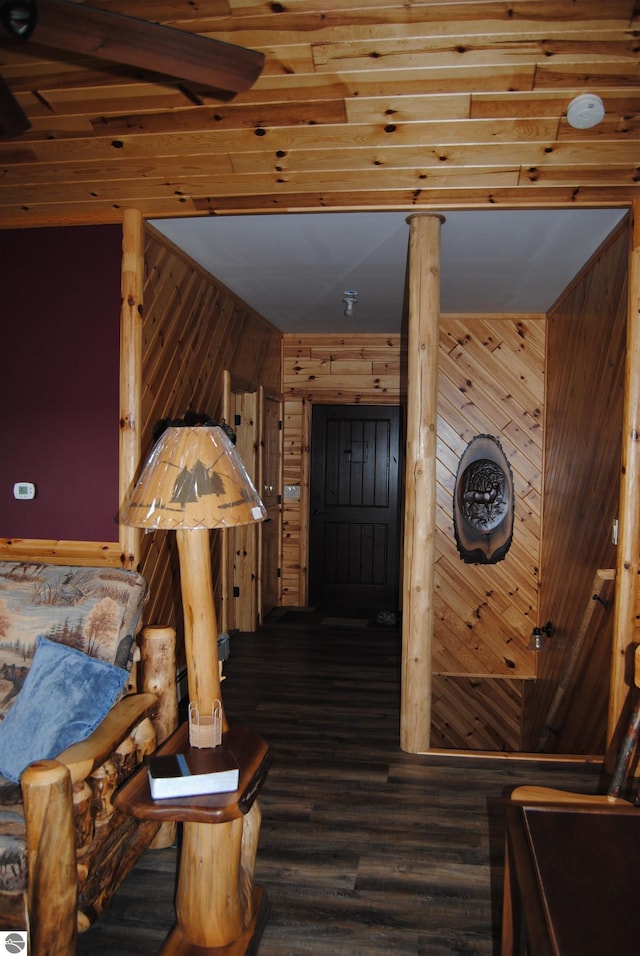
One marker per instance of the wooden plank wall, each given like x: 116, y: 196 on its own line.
x: 491, y: 381
x: 585, y: 384
x: 326, y: 369
x: 194, y: 329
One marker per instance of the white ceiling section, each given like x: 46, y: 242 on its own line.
x: 294, y: 268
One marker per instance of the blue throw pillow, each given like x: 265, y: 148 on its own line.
x: 65, y: 696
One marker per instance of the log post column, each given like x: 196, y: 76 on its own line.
x: 130, y: 371
x: 625, y: 622
x: 420, y: 481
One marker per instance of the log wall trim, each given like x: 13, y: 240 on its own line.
x: 48, y: 551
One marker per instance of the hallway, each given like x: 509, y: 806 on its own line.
x: 364, y: 850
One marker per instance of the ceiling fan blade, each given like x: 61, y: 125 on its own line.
x: 13, y: 120
x: 150, y: 46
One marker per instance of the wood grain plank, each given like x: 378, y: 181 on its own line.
x: 581, y: 482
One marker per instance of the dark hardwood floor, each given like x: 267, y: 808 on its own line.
x: 364, y: 850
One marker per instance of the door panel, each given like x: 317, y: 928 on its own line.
x: 354, y: 520
x: 243, y: 551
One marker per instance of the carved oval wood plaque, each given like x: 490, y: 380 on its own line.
x: 483, y: 502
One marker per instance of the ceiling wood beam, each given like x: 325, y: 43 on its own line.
x: 116, y: 37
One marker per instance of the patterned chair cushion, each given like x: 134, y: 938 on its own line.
x: 95, y: 610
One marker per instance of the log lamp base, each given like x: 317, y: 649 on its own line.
x: 219, y: 909
x: 246, y: 944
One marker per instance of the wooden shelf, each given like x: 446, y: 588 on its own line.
x: 220, y: 912
x: 254, y: 759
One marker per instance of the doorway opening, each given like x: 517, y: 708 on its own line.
x: 354, y: 522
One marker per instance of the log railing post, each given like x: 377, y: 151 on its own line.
x: 158, y: 666
x: 420, y: 481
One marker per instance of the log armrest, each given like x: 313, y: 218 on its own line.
x: 533, y: 794
x: 85, y: 757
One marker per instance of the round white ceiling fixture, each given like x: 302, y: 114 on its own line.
x: 585, y: 111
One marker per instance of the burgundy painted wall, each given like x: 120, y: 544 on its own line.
x: 59, y: 402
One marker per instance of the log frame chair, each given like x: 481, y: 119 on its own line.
x: 64, y: 846
x: 76, y: 863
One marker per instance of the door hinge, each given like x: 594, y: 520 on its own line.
x: 237, y: 420
x: 236, y: 592
x: 280, y: 426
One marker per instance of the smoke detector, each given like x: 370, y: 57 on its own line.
x: 585, y: 111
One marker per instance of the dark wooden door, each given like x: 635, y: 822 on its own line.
x: 354, y: 506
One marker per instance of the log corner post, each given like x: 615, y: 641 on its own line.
x: 420, y: 481
x: 625, y: 619
x: 132, y: 283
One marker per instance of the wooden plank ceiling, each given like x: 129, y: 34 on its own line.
x: 361, y: 104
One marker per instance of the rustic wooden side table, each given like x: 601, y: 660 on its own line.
x: 219, y: 910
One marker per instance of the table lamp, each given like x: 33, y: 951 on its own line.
x: 194, y: 480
